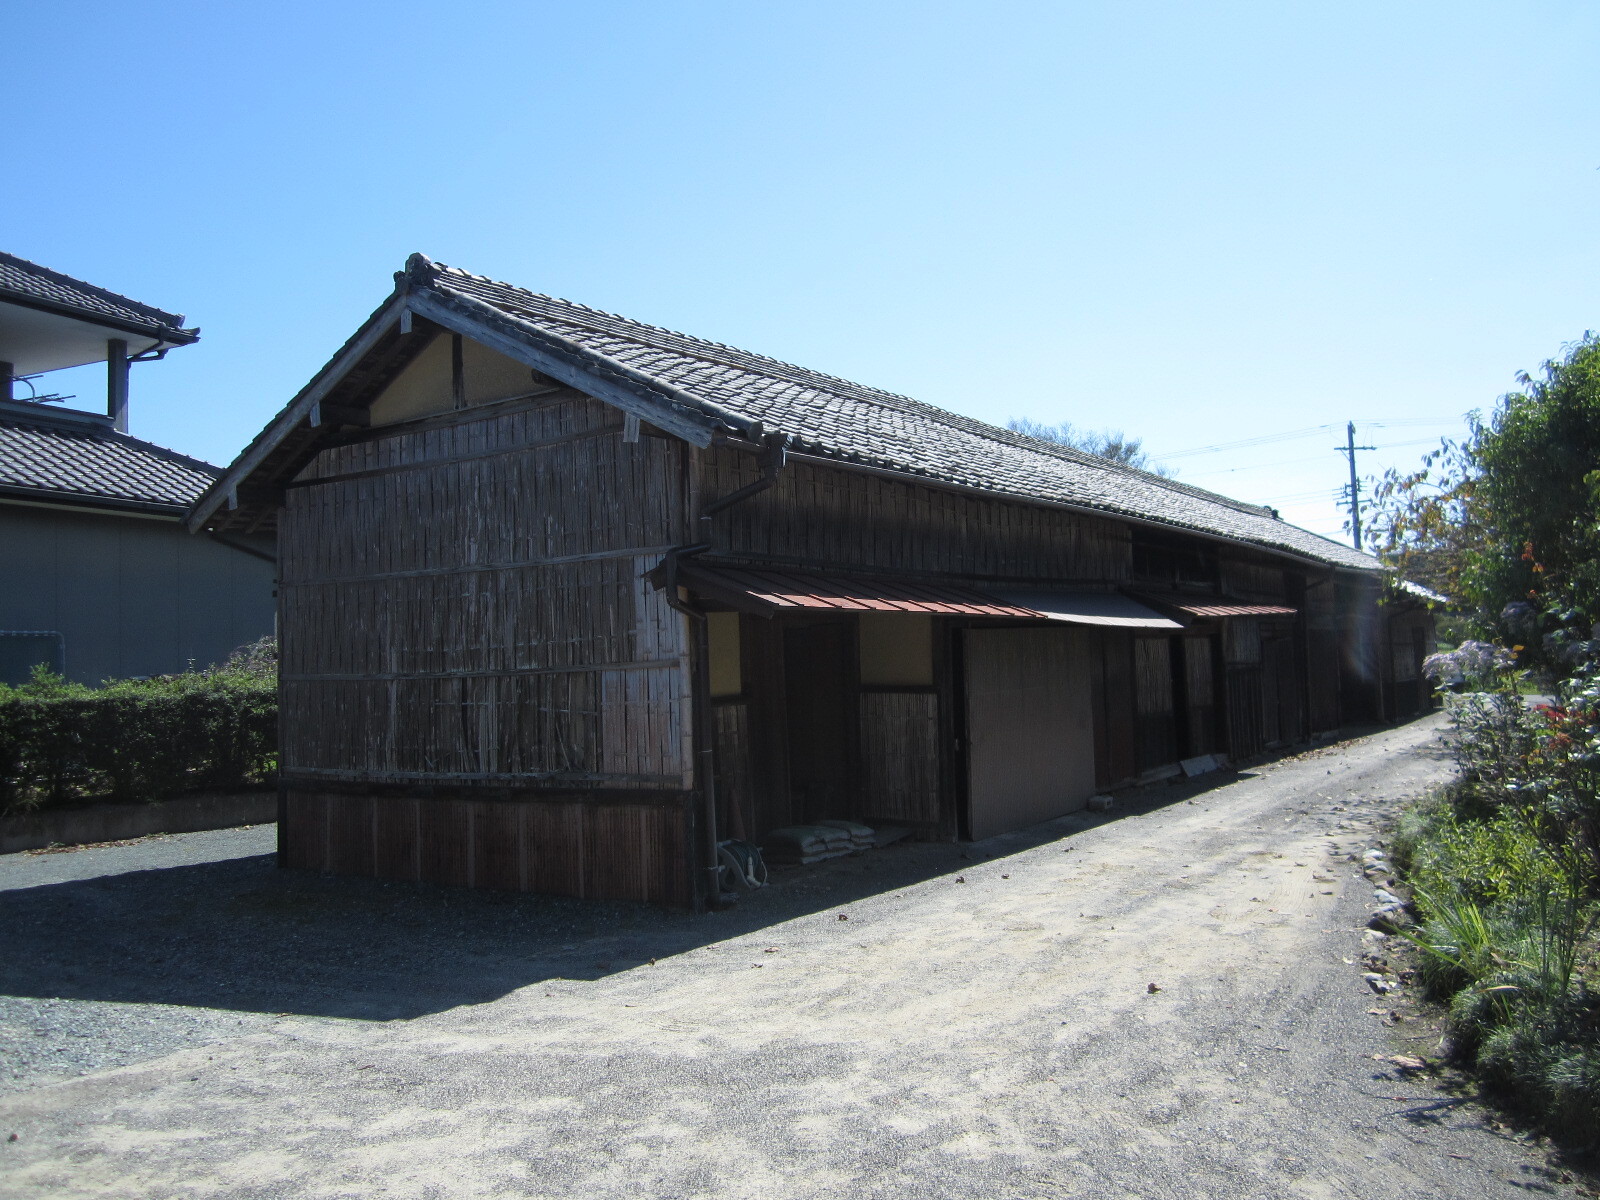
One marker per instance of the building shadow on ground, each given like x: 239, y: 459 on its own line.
x: 240, y: 934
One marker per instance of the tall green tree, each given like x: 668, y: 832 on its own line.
x: 1539, y: 484
x: 1508, y: 521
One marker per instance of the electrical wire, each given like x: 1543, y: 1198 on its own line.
x: 1269, y: 438
x: 1289, y: 462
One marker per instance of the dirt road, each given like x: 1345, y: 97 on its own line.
x: 987, y: 1031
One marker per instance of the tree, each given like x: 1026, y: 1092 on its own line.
x: 1506, y: 521
x: 1424, y: 524
x: 1539, y: 464
x: 1110, y: 444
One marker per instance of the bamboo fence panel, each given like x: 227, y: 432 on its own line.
x: 900, y: 750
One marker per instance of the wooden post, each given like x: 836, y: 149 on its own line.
x: 458, y: 373
x: 117, y: 383
x: 7, y: 374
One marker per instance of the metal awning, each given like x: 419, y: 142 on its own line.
x: 1216, y: 606
x: 1087, y: 608
x: 769, y: 591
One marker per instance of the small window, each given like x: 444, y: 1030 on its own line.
x: 896, y: 650
x: 722, y: 646
x: 23, y: 649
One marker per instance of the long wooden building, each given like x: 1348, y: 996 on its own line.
x: 565, y: 599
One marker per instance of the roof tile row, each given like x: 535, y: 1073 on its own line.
x: 79, y: 461
x: 833, y: 417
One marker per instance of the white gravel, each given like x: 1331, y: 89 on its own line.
x: 982, y: 1023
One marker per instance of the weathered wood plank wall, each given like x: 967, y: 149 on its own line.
x: 566, y: 847
x: 828, y: 517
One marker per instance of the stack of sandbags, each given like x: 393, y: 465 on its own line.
x: 861, y: 837
x: 806, y: 844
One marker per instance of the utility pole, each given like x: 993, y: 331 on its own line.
x: 1349, y: 451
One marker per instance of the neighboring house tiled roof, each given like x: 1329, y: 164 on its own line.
x: 835, y: 418
x: 62, y: 458
x: 29, y: 283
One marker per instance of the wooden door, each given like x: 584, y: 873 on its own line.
x: 1030, y: 727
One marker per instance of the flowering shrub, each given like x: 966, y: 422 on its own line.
x: 1506, y: 875
x: 140, y: 739
x: 1476, y: 666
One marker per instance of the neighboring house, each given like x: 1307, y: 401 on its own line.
x: 101, y: 579
x: 566, y: 599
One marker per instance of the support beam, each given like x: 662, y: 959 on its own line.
x: 117, y: 383
x: 7, y: 374
x: 458, y: 373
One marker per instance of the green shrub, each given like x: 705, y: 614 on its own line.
x: 136, y: 740
x: 1503, y: 870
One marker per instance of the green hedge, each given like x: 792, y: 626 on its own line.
x: 139, y: 740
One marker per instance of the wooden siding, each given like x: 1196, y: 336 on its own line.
x: 1323, y: 685
x: 1257, y: 582
x: 571, y: 847
x: 817, y: 515
x: 900, y: 753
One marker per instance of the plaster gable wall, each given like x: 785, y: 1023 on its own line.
x: 423, y: 388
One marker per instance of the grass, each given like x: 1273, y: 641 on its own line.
x: 1507, y: 942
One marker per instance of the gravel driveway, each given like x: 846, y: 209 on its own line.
x: 923, y: 1020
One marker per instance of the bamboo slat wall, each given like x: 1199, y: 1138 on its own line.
x: 1246, y: 728
x: 1157, y: 733
x: 1200, y: 697
x: 466, y: 602
x: 462, y: 613
x: 829, y: 517
x: 736, y: 797
x: 900, y: 749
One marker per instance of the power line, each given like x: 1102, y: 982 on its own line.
x: 1268, y: 438
x: 1245, y: 443
x: 1289, y: 462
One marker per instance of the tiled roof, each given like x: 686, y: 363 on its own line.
x: 60, y: 456
x: 29, y: 282
x: 835, y: 418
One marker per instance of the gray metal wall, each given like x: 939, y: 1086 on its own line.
x: 130, y: 595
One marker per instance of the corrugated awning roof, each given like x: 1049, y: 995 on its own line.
x: 1218, y: 606
x: 1088, y: 608
x: 771, y: 591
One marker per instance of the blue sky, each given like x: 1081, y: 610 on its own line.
x: 1199, y: 223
